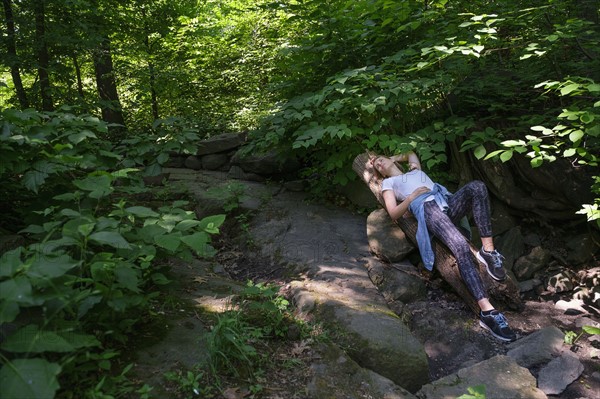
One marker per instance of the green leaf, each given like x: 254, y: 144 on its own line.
x: 569, y: 89
x: 591, y: 330
x: 79, y: 137
x: 480, y: 152
x: 29, y: 378
x: 211, y: 224
x: 98, y: 186
x: 141, y: 211
x: 10, y: 262
x: 17, y: 290
x: 187, y: 224
x: 198, y: 242
x: 160, y: 279
x: 8, y: 311
x: 127, y: 277
x: 34, y: 179
x: 50, y: 267
x: 111, y: 238
x: 593, y: 87
x: 493, y: 154
x: 576, y: 135
x: 506, y: 156
x: 168, y: 241
x: 569, y: 152
x: 150, y: 231
x: 370, y: 108
x: 537, y: 161
x: 30, y: 339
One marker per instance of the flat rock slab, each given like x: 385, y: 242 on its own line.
x: 336, y: 375
x: 537, y: 348
x: 329, y: 246
x: 220, y: 143
x: 501, y: 375
x: 559, y: 373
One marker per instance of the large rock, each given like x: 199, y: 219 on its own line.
x: 511, y: 245
x: 396, y: 282
x: 359, y: 194
x: 335, y: 375
x: 583, y: 247
x: 376, y: 338
x: 527, y: 265
x: 193, y: 162
x: 220, y: 143
x: 502, y: 220
x: 267, y: 164
x: 386, y: 239
x: 384, y: 344
x: 214, y: 161
x: 559, y: 373
x: 501, y: 375
x: 537, y: 348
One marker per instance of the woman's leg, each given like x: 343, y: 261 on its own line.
x: 440, y: 225
x: 473, y: 197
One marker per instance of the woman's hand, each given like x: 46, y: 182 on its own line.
x: 417, y: 192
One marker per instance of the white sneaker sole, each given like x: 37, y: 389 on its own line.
x: 487, y: 267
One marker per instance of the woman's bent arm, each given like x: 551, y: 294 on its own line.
x: 409, y: 157
x: 395, y: 210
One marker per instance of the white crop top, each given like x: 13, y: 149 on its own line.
x: 406, y: 183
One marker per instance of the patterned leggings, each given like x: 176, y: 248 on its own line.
x: 471, y: 197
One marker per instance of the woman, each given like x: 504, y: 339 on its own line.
x: 437, y: 211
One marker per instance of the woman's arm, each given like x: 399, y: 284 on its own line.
x: 409, y: 157
x: 395, y: 210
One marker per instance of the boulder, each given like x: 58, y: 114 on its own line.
x: 502, y: 220
x: 538, y: 347
x: 390, y: 349
x: 336, y: 375
x: 214, y: 161
x: 267, y: 164
x: 396, y: 282
x: 359, y: 194
x: 376, y: 339
x: 529, y: 285
x: 501, y: 376
x: 220, y: 143
x: 525, y: 267
x: 386, y: 238
x: 193, y: 162
x: 235, y: 172
x: 583, y: 247
x: 511, y: 245
x: 559, y: 373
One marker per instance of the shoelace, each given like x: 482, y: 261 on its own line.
x: 499, y: 318
x: 497, y: 258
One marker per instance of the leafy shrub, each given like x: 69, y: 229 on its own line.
x: 93, y: 260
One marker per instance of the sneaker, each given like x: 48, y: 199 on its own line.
x: 493, y: 263
x: 496, y: 323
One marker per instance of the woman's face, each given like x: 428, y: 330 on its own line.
x: 383, y: 165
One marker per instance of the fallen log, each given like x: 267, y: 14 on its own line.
x: 502, y: 294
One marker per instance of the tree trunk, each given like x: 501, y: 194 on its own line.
x: 506, y: 292
x: 11, y: 48
x: 107, y: 87
x: 42, y: 55
x: 78, y: 76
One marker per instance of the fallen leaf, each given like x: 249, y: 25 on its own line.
x: 200, y: 280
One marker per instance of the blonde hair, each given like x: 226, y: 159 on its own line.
x: 373, y: 157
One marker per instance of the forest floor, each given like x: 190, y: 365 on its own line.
x: 286, y: 371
